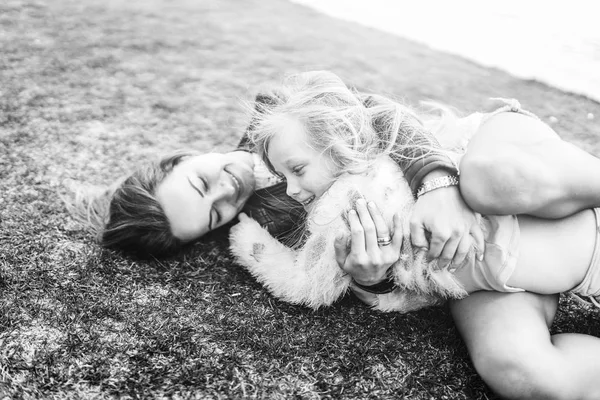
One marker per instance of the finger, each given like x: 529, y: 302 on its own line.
x: 418, y: 235
x: 448, y: 253
x: 381, y: 228
x: 448, y: 249
x: 370, y: 234
x: 340, y: 245
x: 357, y: 234
x: 398, y: 235
x: 391, y: 253
x: 437, y: 245
x: 462, y: 251
x: 479, y: 240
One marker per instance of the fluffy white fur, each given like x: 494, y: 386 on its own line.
x: 311, y: 276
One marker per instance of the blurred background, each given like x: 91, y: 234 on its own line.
x: 555, y: 42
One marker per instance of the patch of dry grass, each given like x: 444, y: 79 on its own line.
x: 88, y: 90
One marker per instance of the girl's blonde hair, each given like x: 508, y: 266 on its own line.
x: 127, y: 216
x: 348, y: 127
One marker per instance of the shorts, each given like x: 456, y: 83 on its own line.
x: 589, y: 288
x: 502, y: 237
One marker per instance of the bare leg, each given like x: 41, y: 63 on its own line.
x: 510, y: 346
x: 516, y: 164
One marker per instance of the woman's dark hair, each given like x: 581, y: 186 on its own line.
x: 127, y: 216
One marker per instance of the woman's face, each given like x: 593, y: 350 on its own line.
x: 205, y: 192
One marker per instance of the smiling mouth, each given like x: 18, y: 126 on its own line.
x: 308, y: 201
x: 236, y: 183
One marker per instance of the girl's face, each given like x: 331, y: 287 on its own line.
x: 308, y: 173
x: 206, y: 191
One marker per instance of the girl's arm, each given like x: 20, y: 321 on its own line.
x: 441, y: 221
x: 416, y: 151
x: 368, y: 262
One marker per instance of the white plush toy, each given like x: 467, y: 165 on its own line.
x: 310, y: 275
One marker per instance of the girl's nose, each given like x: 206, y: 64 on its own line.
x: 292, y: 189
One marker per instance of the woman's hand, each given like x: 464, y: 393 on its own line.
x: 364, y: 258
x: 453, y: 226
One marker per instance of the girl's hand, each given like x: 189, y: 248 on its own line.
x: 365, y: 259
x: 454, y: 227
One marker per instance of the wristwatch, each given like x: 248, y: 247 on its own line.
x: 436, y: 183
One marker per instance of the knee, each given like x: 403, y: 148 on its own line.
x: 479, y: 183
x: 500, y: 184
x: 519, y: 378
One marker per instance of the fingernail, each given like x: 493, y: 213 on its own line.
x: 480, y: 257
x: 352, y: 212
x: 371, y: 204
x: 361, y: 201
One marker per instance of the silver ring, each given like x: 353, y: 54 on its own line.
x: 384, y: 241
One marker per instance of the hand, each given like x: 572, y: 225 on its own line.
x: 454, y: 227
x: 364, y: 258
x: 243, y: 217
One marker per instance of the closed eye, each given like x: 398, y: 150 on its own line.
x: 204, y: 183
x: 196, y: 188
x: 217, y: 219
x: 298, y: 170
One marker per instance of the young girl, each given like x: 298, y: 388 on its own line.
x: 320, y: 130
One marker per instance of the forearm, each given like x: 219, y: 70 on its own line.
x: 418, y: 154
x: 415, y: 149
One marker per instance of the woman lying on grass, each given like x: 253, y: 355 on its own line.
x: 506, y: 334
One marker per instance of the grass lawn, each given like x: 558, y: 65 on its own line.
x: 90, y: 89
